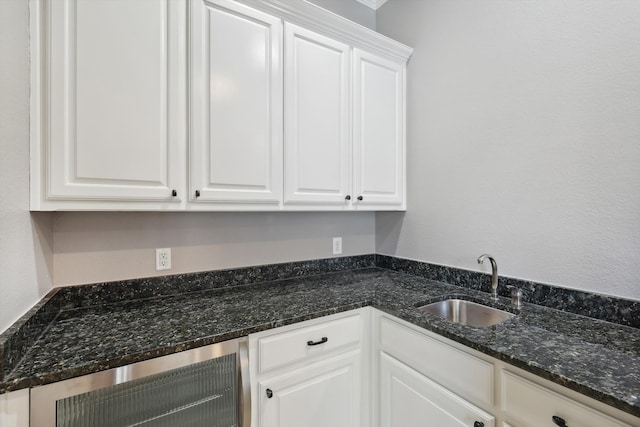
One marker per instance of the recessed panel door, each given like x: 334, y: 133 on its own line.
x: 378, y: 132
x: 409, y: 399
x: 323, y: 394
x: 236, y: 104
x: 114, y: 106
x: 317, y: 119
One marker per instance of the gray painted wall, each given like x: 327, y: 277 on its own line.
x: 523, y: 139
x: 104, y: 246
x: 26, y: 241
x: 350, y: 9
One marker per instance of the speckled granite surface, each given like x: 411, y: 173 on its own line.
x: 16, y: 341
x: 603, y: 307
x: 594, y: 357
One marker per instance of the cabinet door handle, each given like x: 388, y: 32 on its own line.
x: 559, y: 421
x: 348, y: 197
x: 197, y: 193
x: 174, y: 193
x: 360, y: 197
x: 322, y: 341
x: 478, y: 424
x: 269, y: 393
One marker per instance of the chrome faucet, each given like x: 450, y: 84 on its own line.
x: 494, y: 274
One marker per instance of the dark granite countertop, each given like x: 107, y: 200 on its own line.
x: 594, y: 357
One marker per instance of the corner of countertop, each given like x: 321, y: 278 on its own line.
x: 17, y: 339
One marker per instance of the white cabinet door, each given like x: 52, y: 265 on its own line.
x: 137, y: 103
x: 409, y: 399
x: 378, y: 132
x: 236, y: 104
x: 317, y: 119
x: 323, y: 394
x: 458, y: 370
x: 14, y: 409
x: 110, y: 82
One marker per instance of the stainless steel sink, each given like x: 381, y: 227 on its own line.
x: 467, y: 312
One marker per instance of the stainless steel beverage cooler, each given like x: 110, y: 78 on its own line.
x: 206, y: 386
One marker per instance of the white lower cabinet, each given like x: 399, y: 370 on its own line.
x: 426, y: 382
x: 323, y: 394
x: 409, y: 399
x: 312, y: 374
x: 14, y: 409
x: 531, y: 405
x: 365, y: 368
x: 470, y: 377
x: 424, y: 379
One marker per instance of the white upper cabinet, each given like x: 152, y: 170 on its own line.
x: 317, y: 118
x: 107, y: 103
x: 236, y: 104
x: 378, y: 131
x: 230, y: 105
x: 344, y: 126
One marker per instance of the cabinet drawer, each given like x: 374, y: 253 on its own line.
x: 531, y: 405
x: 454, y: 369
x: 308, y: 342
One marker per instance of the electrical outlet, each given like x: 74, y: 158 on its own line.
x: 163, y: 259
x: 337, y: 245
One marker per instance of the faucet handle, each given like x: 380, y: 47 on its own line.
x: 516, y: 296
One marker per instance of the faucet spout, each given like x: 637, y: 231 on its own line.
x: 494, y: 274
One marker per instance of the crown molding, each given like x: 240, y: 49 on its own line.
x: 315, y: 18
x: 373, y: 4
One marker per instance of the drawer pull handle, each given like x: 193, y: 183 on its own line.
x: 269, y: 393
x: 322, y: 341
x: 478, y: 424
x: 559, y: 421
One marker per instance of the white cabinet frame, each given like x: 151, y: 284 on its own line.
x: 416, y: 349
x: 379, y: 161
x: 317, y: 119
x: 235, y: 139
x: 79, y: 158
x: 173, y: 152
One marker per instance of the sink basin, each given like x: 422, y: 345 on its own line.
x: 467, y: 312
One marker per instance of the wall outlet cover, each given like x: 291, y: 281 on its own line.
x: 337, y: 245
x: 163, y: 259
